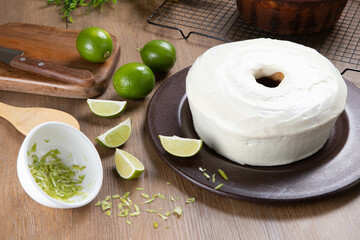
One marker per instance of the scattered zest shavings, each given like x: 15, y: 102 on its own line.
x: 178, y: 211
x: 134, y: 214
x: 128, y: 222
x: 219, y: 186
x: 116, y: 196
x: 190, y: 200
x: 201, y: 169
x: 139, y: 189
x: 213, y: 178
x: 172, y: 199
x: 106, y: 205
x: 145, y: 195
x: 107, y: 198
x: 53, y: 176
x: 98, y: 204
x: 163, y: 217
x: 222, y: 173
x: 124, y: 212
x: 151, y: 211
x: 108, y: 213
x: 168, y: 183
x: 206, y: 175
x: 155, y: 224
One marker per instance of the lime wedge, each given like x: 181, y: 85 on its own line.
x: 106, y: 108
x: 128, y: 166
x: 181, y: 147
x: 116, y: 136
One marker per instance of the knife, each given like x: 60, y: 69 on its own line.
x: 58, y: 72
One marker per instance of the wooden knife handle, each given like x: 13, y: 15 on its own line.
x: 54, y: 71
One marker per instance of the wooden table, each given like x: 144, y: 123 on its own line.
x: 210, y: 217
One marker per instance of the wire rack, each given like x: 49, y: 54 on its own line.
x: 219, y: 19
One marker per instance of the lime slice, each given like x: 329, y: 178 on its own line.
x: 116, y: 136
x: 181, y: 147
x: 128, y: 166
x: 106, y: 108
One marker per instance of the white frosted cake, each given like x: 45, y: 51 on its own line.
x: 253, y: 122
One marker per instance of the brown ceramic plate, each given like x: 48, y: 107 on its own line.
x: 332, y: 169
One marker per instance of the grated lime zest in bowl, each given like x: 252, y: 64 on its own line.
x: 53, y: 176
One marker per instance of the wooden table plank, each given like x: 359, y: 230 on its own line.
x: 211, y: 217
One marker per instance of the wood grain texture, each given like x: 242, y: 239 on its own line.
x: 211, y: 217
x: 54, y: 46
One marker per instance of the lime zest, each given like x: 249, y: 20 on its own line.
x: 54, y: 177
x: 124, y: 212
x: 151, y: 211
x: 161, y: 196
x: 155, y: 224
x: 128, y: 222
x: 116, y: 196
x: 149, y: 201
x: 139, y: 189
x: 98, y: 204
x: 105, y: 205
x: 178, y: 211
x: 134, y: 214
x: 190, y: 200
x: 206, y: 175
x: 145, y: 195
x: 108, y: 213
x: 219, y: 186
x: 120, y: 206
x: 164, y: 218
x: 168, y: 214
x: 168, y: 183
x: 172, y: 199
x: 107, y: 198
x: 213, y: 178
x: 201, y: 169
x: 223, y: 174
x: 137, y: 209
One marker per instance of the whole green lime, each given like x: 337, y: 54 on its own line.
x: 94, y: 44
x: 134, y: 80
x: 159, y: 55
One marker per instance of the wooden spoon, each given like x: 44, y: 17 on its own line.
x: 25, y: 119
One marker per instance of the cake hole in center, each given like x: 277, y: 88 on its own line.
x: 271, y: 81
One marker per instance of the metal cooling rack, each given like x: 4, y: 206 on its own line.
x: 219, y: 19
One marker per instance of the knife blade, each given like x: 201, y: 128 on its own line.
x: 16, y: 59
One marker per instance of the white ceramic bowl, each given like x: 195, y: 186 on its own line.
x: 75, y: 148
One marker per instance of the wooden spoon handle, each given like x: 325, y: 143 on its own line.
x: 54, y: 71
x: 6, y: 111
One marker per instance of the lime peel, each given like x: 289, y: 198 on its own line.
x: 223, y: 174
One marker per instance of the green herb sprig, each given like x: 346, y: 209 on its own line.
x: 68, y: 6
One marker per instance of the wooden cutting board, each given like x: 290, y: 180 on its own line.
x: 55, y: 45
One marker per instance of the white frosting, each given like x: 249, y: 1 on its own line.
x: 250, y: 123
